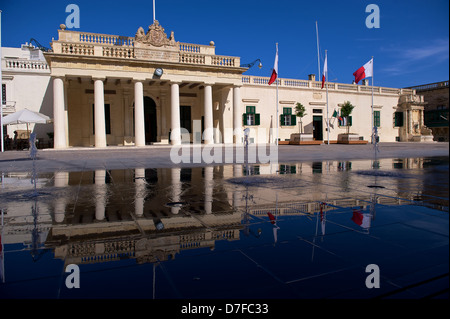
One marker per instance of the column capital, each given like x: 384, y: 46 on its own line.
x: 209, y: 83
x: 98, y: 78
x: 175, y: 82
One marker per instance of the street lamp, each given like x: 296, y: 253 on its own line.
x: 249, y: 65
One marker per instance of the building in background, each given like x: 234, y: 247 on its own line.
x: 436, y: 109
x: 26, y: 84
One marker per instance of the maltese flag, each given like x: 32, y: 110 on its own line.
x: 366, y: 71
x: 274, y: 75
x: 325, y: 70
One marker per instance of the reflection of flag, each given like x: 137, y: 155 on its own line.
x: 335, y: 113
x: 274, y: 75
x: 357, y: 217
x: 361, y: 219
x: 272, y: 218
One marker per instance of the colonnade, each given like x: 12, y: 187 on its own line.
x: 60, y: 107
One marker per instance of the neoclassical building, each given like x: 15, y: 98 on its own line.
x: 151, y: 89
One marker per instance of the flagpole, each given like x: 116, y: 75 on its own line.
x: 318, y: 55
x: 277, y: 119
x: 372, y: 107
x: 154, y: 11
x: 326, y: 84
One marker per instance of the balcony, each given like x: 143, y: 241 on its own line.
x: 121, y: 47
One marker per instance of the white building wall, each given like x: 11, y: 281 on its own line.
x: 27, y: 79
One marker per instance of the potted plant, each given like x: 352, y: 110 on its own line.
x: 348, y: 137
x: 346, y: 110
x: 300, y: 111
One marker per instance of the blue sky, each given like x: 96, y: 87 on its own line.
x: 411, y: 47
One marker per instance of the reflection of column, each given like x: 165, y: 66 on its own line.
x: 237, y: 115
x: 99, y: 113
x: 176, y: 188
x: 139, y: 183
x: 59, y: 122
x: 175, y: 136
x: 209, y: 186
x: 237, y: 194
x: 61, y: 181
x: 208, y: 134
x: 100, y: 194
x: 139, y: 124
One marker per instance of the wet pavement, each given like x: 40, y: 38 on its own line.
x: 299, y: 229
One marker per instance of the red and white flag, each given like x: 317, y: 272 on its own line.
x: 325, y: 71
x: 274, y: 75
x: 366, y: 71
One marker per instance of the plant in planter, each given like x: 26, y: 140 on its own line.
x: 300, y: 111
x: 346, y: 110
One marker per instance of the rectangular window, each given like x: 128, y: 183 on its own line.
x: 346, y: 121
x: 287, y: 118
x: 317, y: 111
x: 376, y: 118
x: 398, y: 119
x: 107, y: 119
x: 4, y: 94
x: 250, y: 117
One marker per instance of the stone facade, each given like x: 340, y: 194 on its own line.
x: 115, y: 90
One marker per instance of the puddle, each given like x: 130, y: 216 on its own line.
x: 295, y: 230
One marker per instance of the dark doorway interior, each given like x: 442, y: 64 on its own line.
x: 150, y: 120
x: 317, y: 128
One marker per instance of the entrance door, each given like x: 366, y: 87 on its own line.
x: 150, y: 120
x: 317, y: 128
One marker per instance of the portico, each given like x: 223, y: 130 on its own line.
x: 107, y: 90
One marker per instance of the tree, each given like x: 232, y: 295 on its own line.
x: 346, y: 110
x: 300, y: 111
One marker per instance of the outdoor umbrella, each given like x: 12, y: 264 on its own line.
x: 25, y: 116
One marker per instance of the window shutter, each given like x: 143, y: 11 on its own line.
x: 257, y: 120
x: 293, y: 120
x: 244, y: 119
x: 349, y: 121
x: 281, y: 120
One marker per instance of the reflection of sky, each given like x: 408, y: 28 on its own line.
x: 220, y: 242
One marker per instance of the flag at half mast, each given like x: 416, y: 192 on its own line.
x: 274, y: 75
x: 325, y: 70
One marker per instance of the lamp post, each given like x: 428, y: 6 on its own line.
x: 249, y: 65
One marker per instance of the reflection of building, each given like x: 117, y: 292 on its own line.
x: 436, y: 110
x: 120, y: 90
x: 154, y: 214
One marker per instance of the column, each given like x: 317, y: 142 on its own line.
x: 99, y: 113
x: 237, y: 115
x: 208, y: 134
x: 59, y: 122
x: 175, y: 135
x: 139, y: 124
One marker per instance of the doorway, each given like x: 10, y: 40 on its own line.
x: 150, y: 120
x: 317, y: 128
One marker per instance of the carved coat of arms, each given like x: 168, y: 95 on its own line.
x: 155, y: 36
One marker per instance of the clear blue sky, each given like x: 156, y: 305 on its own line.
x: 411, y: 47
